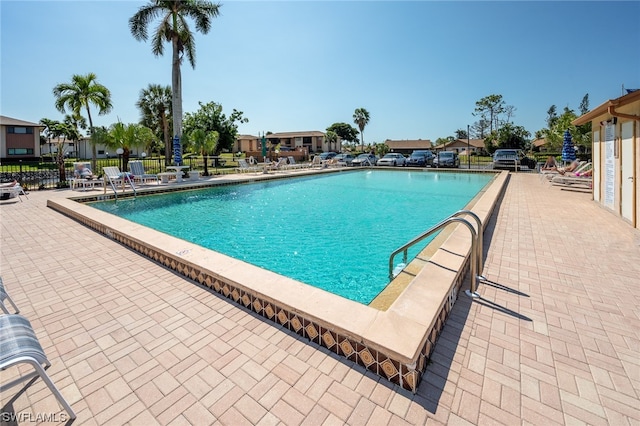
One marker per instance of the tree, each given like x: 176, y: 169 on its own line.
x: 491, y: 105
x: 479, y: 128
x: 361, y: 118
x: 331, y: 137
x: 81, y: 93
x: 461, y: 134
x: 49, y: 126
x: 345, y: 131
x: 508, y: 136
x: 174, y: 28
x: 210, y: 118
x: 204, y: 143
x: 128, y: 136
x: 154, y: 104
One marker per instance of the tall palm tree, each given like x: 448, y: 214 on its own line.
x: 361, y: 118
x: 79, y: 94
x: 154, y: 104
x: 174, y: 28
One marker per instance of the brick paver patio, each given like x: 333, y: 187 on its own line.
x: 553, y: 340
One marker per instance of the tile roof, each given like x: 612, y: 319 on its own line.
x: 9, y: 121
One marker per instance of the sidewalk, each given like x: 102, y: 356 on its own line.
x: 553, y: 340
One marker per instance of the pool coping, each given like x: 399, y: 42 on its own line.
x: 395, y: 343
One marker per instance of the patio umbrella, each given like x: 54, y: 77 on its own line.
x: 177, y: 151
x: 264, y: 146
x: 568, y: 151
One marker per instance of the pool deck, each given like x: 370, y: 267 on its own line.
x: 555, y: 338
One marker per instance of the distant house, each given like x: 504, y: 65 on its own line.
x: 407, y: 146
x: 308, y: 141
x: 19, y: 139
x: 460, y: 145
x: 539, y: 144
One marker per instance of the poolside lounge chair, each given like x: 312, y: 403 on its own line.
x: 280, y: 165
x: 572, y: 180
x: 12, y: 190
x: 581, y: 167
x: 317, y: 162
x: 293, y: 165
x: 19, y: 345
x: 115, y: 177
x: 244, y: 167
x: 139, y: 174
x: 5, y: 296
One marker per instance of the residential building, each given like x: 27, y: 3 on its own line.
x: 407, y: 146
x: 19, y: 139
x: 615, y: 127
x: 460, y: 145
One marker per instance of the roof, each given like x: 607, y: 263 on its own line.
x: 409, y: 144
x: 8, y: 121
x: 539, y: 142
x: 301, y: 134
x: 462, y: 143
x: 604, y: 108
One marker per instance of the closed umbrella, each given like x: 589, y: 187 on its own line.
x: 177, y: 151
x: 568, y: 151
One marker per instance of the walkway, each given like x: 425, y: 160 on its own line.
x: 554, y: 339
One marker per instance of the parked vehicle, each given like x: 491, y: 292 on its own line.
x: 392, y: 159
x: 512, y: 158
x: 447, y: 159
x: 420, y: 158
x: 365, y: 160
x: 327, y: 155
x: 344, y: 159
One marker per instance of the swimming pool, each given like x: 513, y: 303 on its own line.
x: 334, y: 232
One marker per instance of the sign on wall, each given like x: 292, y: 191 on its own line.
x: 609, y: 165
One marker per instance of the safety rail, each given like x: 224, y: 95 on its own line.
x: 476, y: 247
x: 115, y: 190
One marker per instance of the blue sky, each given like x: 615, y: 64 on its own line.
x: 418, y: 67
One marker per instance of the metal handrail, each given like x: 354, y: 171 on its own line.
x: 115, y: 190
x: 479, y: 239
x: 474, y: 251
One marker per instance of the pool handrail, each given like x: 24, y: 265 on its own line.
x: 474, y: 251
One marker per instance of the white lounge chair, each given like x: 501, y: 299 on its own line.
x: 244, y: 167
x: 116, y: 178
x: 5, y: 296
x: 139, y: 174
x: 293, y: 165
x: 19, y: 345
x: 12, y: 190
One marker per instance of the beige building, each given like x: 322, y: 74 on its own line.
x: 407, y: 146
x: 460, y: 145
x: 616, y: 150
x: 19, y: 139
x: 309, y: 141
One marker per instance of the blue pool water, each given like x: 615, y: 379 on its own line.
x: 333, y: 231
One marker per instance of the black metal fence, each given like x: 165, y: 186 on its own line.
x: 34, y: 175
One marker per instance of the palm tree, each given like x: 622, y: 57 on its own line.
x: 127, y: 136
x: 361, y: 118
x: 204, y: 143
x: 154, y: 104
x: 81, y: 92
x: 174, y: 28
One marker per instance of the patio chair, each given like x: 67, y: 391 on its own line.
x: 5, y: 296
x: 572, y: 180
x: 115, y: 177
x: 279, y: 165
x: 139, y: 174
x: 293, y: 165
x: 19, y: 345
x: 244, y: 167
x: 12, y: 190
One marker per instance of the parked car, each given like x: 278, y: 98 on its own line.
x: 510, y: 158
x: 392, y: 159
x: 365, y: 160
x: 420, y: 158
x: 344, y: 159
x: 327, y: 155
x: 446, y: 159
